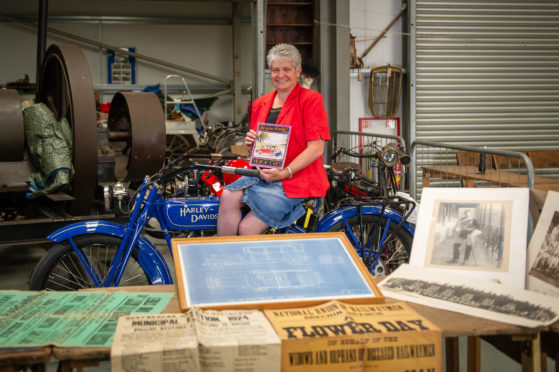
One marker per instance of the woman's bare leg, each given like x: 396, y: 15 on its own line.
x: 229, y: 215
x: 251, y: 225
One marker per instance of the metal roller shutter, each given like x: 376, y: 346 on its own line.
x: 485, y: 73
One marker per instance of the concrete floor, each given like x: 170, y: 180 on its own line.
x: 17, y: 262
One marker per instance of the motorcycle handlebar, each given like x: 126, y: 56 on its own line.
x: 353, y: 154
x: 403, y: 157
x: 250, y: 172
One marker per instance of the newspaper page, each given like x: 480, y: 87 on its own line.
x: 207, y: 341
x: 153, y: 343
x: 236, y: 340
x: 377, y: 337
x: 475, y: 297
x: 69, y: 318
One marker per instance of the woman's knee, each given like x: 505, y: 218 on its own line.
x: 231, y: 198
x: 251, y: 225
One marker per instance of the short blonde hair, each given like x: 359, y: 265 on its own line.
x: 284, y: 51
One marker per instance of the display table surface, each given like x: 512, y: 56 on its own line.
x: 452, y: 325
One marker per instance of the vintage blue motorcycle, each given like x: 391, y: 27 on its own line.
x: 100, y: 253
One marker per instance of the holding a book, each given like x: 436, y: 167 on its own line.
x: 286, y: 178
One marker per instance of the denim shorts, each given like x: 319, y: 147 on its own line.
x: 268, y: 201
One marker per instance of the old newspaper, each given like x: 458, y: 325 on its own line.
x: 207, y: 341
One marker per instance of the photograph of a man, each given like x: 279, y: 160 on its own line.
x: 465, y: 227
x: 467, y: 234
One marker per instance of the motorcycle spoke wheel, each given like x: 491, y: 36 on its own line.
x: 61, y: 269
x: 394, y: 252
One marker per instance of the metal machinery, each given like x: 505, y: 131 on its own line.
x: 132, y: 145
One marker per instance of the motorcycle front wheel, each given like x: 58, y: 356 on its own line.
x: 61, y: 269
x: 366, y: 235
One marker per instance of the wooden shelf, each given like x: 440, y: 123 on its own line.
x: 291, y: 22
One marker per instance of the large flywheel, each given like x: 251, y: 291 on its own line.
x: 136, y: 119
x: 11, y: 124
x: 66, y: 88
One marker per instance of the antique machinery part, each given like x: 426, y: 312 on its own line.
x: 11, y: 124
x: 380, y: 268
x: 137, y: 119
x: 107, y: 197
x: 65, y: 87
x: 178, y: 145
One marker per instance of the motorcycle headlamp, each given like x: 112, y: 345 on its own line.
x: 391, y: 154
x: 389, y: 157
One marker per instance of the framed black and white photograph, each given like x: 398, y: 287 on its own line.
x: 474, y: 231
x: 543, y: 251
x: 473, y: 234
x: 270, y: 271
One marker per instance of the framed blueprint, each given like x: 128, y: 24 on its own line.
x: 270, y: 271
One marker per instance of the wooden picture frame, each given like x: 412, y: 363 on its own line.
x: 270, y: 271
x: 491, y: 247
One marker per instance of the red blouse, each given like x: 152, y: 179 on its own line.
x: 304, y: 111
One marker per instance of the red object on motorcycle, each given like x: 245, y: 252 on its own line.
x: 355, y: 191
x: 237, y: 163
x: 398, y: 173
x: 213, y: 182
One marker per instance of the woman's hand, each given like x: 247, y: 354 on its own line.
x: 250, y: 137
x: 273, y: 174
x: 313, y: 151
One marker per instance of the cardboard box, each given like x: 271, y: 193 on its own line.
x: 353, y: 337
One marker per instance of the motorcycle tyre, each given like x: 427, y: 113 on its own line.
x: 403, y: 236
x: 62, y: 253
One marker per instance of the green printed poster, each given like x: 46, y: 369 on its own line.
x: 70, y: 318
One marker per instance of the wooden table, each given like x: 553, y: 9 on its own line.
x: 551, y: 339
x: 469, y: 176
x: 452, y: 325
x: 17, y: 359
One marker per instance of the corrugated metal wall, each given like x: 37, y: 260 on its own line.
x: 485, y: 73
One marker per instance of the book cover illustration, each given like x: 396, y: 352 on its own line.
x: 270, y: 145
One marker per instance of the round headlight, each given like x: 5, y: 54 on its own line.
x: 390, y: 157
